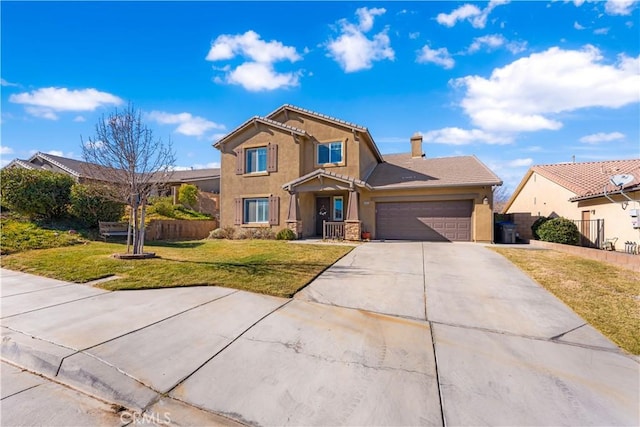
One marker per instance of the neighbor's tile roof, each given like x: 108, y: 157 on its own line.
x: 403, y: 171
x: 590, y: 178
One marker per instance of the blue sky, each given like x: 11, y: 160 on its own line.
x: 515, y: 83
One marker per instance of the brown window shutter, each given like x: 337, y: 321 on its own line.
x: 239, y: 161
x: 238, y: 216
x: 274, y: 210
x: 272, y: 158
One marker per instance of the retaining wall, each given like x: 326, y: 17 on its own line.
x: 621, y: 259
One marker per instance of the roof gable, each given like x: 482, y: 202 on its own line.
x: 265, y: 121
x: 322, y: 173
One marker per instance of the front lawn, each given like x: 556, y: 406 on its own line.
x: 606, y: 296
x: 270, y: 267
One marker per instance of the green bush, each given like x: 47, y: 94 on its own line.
x: 286, y: 234
x: 559, y: 230
x: 188, y: 195
x: 36, y: 193
x: 162, y: 206
x: 89, y: 204
x: 19, y: 236
x: 536, y: 225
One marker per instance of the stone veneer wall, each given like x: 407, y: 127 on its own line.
x: 352, y: 230
x: 296, y: 227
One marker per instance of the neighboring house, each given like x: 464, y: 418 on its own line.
x: 205, y: 179
x: 577, y: 191
x: 319, y: 175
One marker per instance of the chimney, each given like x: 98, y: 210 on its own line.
x: 416, y: 145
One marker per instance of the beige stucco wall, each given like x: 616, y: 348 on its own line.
x: 617, y: 221
x: 543, y: 197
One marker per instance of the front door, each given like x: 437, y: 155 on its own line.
x: 323, y: 212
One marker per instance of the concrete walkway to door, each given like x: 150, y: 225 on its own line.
x: 507, y: 351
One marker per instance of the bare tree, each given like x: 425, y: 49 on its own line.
x: 129, y: 156
x: 501, y: 195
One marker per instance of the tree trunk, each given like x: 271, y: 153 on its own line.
x: 143, y: 208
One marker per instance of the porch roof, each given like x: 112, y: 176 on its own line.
x: 322, y: 173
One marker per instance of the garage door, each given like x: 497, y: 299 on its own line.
x: 432, y: 221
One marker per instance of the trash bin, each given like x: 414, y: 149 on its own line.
x: 508, y: 232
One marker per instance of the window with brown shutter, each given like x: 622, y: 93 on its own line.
x: 274, y: 210
x: 272, y: 157
x: 238, y: 209
x: 239, y: 161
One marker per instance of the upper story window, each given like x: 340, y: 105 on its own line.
x: 330, y: 152
x: 256, y: 160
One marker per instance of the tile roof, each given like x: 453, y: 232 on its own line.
x: 324, y: 173
x: 265, y: 120
x: 403, y: 171
x: 318, y: 115
x: 589, y: 179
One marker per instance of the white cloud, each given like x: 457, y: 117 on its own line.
x: 471, y: 13
x: 457, y: 136
x: 3, y: 82
x: 353, y: 50
x: 599, y: 137
x: 601, y: 31
x: 619, y: 7
x: 439, y: 57
x: 4, y: 150
x: 258, y: 76
x: 257, y: 73
x: 495, y: 41
x: 460, y: 14
x: 211, y: 165
x: 79, y: 119
x: 187, y: 124
x: 414, y: 35
x: 46, y: 102
x: 526, y: 94
x: 519, y: 163
x: 577, y: 26
x: 366, y: 16
x: 56, y: 153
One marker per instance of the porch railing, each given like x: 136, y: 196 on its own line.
x: 591, y: 232
x: 333, y: 230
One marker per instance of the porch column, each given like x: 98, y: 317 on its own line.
x: 353, y: 225
x: 294, y: 223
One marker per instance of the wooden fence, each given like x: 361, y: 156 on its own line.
x: 179, y: 229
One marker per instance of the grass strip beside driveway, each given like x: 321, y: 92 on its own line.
x: 263, y: 266
x: 606, y: 296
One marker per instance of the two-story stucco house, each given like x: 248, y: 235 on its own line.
x: 319, y: 175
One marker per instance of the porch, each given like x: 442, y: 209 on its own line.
x: 324, y: 204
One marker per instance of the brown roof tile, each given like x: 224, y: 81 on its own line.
x: 403, y: 171
x: 590, y: 178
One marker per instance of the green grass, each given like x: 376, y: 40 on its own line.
x: 22, y: 235
x: 270, y: 267
x: 606, y: 296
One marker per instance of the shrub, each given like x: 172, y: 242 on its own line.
x: 286, y: 234
x: 89, y: 204
x: 559, y: 230
x: 264, y: 234
x: 222, y: 233
x: 36, y: 193
x: 188, y: 195
x: 536, y: 225
x: 162, y: 206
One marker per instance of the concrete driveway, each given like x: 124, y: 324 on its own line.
x: 400, y: 333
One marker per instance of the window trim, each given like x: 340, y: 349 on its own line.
x: 245, y: 220
x: 266, y: 160
x: 334, y: 216
x: 342, y: 162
